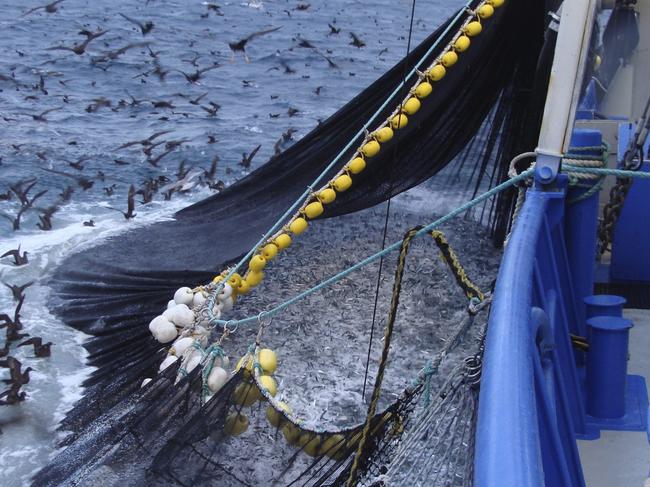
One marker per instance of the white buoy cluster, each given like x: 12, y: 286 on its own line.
x: 184, y: 325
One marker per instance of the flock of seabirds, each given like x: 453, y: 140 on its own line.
x: 20, y: 198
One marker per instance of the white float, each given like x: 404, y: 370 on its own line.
x: 181, y: 345
x: 184, y: 295
x: 217, y: 378
x: 192, y: 361
x: 170, y: 359
x: 164, y: 331
x: 199, y: 300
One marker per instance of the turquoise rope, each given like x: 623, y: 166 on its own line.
x: 619, y: 173
x: 309, y: 189
x: 395, y: 246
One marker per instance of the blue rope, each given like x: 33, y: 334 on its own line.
x: 303, y: 196
x: 395, y: 246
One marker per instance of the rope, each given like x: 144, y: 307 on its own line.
x: 470, y: 289
x: 383, y: 240
x: 391, y: 248
x: 397, y: 288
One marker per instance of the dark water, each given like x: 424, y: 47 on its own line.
x: 100, y: 105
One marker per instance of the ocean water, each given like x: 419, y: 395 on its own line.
x: 99, y: 105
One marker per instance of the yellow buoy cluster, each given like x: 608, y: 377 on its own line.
x: 315, y: 205
x: 248, y: 393
x: 332, y: 445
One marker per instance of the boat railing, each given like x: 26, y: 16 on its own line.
x: 530, y: 405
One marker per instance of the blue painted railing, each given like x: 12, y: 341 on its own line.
x: 530, y: 404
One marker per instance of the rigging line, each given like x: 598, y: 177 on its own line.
x: 453, y: 23
x: 424, y: 231
x: 391, y: 177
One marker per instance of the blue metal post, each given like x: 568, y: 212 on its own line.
x: 581, y: 222
x: 604, y: 305
x: 607, y: 366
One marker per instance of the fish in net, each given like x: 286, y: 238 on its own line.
x: 172, y: 430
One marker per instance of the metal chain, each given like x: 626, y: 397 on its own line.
x: 611, y: 213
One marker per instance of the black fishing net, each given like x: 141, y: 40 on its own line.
x: 161, y: 434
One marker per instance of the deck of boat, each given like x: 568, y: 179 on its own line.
x: 622, y: 458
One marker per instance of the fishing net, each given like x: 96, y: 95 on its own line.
x: 164, y: 435
x: 174, y: 431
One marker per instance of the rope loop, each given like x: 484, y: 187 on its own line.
x: 226, y: 328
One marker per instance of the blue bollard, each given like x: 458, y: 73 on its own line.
x: 604, y: 305
x: 581, y: 223
x: 607, y: 366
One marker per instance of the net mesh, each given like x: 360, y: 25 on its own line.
x: 163, y: 434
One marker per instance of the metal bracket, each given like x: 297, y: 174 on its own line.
x: 547, y: 167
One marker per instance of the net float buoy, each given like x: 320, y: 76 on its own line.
x: 423, y: 90
x: 183, y: 295
x: 298, y: 226
x: 268, y: 360
x: 327, y: 196
x: 245, y: 394
x: 462, y: 44
x: 282, y: 241
x: 217, y: 379
x: 244, y: 288
x: 170, y: 359
x: 313, y: 447
x: 269, y: 251
x: 236, y: 424
x: 226, y: 291
x: 411, y: 106
x: 371, y: 148
x: 342, y: 183
x: 199, y: 300
x: 217, y: 279
x: 356, y: 165
x: 486, y: 11
x: 153, y: 324
x: 165, y: 331
x: 314, y: 209
x: 235, y: 280
x: 291, y: 433
x: 437, y: 72
x: 268, y: 384
x: 227, y: 304
x: 384, y: 134
x: 254, y: 278
x: 496, y: 3
x: 145, y: 382
x: 399, y: 121
x: 449, y: 59
x: 171, y: 303
x: 275, y: 418
x: 248, y: 369
x: 474, y: 28
x: 257, y: 263
x: 181, y: 345
x: 333, y: 447
x: 181, y: 315
x: 192, y: 361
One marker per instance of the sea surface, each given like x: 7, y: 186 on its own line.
x: 102, y: 99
